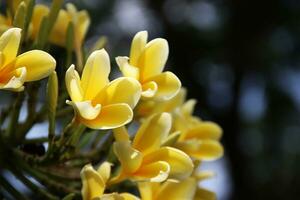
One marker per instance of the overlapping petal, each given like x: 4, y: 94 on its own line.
x: 152, y: 133
x: 153, y: 58
x: 153, y: 172
x: 92, y: 183
x: 201, y: 149
x: 95, y: 74
x: 168, y: 85
x: 121, y: 90
x: 181, y: 166
x: 73, y: 85
x: 130, y: 158
x: 9, y: 45
x: 137, y: 47
x: 111, y: 116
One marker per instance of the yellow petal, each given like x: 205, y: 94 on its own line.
x: 130, y: 158
x: 39, y: 64
x: 148, y: 190
x: 149, y: 89
x: 205, y: 130
x: 152, y: 133
x: 59, y: 30
x: 121, y: 134
x: 153, y: 172
x: 203, y: 194
x: 92, y: 184
x: 111, y: 116
x: 128, y: 196
x: 188, y: 107
x: 39, y: 12
x: 137, y: 47
x: 85, y: 109
x: 168, y: 85
x: 121, y: 90
x: 73, y: 85
x: 82, y: 25
x: 104, y: 170
x: 127, y: 69
x: 9, y: 44
x: 16, y: 82
x: 171, y: 190
x: 153, y: 58
x: 95, y: 73
x: 201, y: 149
x: 181, y: 166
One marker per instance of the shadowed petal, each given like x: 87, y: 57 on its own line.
x: 152, y: 133
x: 130, y: 158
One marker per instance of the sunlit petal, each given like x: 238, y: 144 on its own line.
x: 95, y: 73
x: 127, y: 69
x: 73, y: 85
x: 153, y: 58
x: 111, y: 116
x: 121, y: 90
x: 39, y: 64
x: 9, y: 44
x: 137, y: 46
x: 168, y: 85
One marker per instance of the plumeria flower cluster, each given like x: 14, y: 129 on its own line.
x: 157, y: 143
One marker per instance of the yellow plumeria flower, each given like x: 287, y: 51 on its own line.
x: 94, y: 183
x: 80, y: 20
x: 146, y: 63
x: 29, y: 66
x: 145, y: 158
x: 100, y: 104
x: 199, y: 139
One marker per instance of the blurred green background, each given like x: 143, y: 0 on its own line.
x: 241, y: 61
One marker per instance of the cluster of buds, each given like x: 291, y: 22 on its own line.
x: 139, y: 128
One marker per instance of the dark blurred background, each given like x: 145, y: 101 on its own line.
x: 241, y: 61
